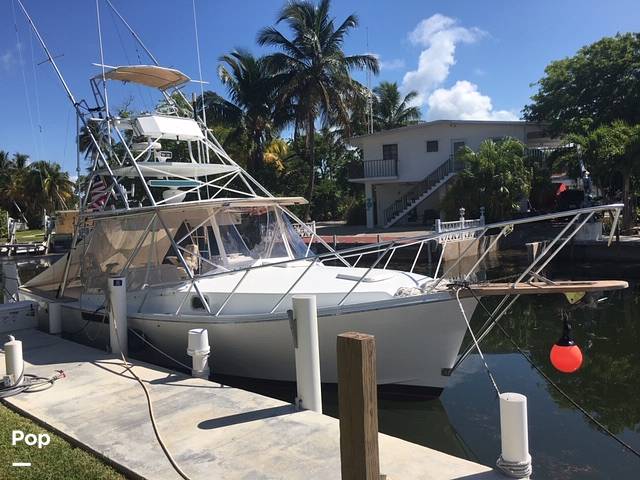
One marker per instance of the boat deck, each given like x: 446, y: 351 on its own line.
x: 212, y: 431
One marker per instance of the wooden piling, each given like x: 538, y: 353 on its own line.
x: 358, y: 406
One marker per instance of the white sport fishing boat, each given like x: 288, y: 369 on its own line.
x: 202, y: 244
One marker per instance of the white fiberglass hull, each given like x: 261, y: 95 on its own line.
x: 415, y: 340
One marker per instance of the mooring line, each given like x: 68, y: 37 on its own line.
x: 486, y: 366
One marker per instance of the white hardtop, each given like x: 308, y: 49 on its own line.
x: 153, y: 76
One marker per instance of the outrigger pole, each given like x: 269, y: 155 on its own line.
x: 76, y: 104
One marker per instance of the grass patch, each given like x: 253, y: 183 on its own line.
x: 58, y: 460
x: 28, y: 236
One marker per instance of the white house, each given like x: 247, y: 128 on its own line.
x: 405, y: 169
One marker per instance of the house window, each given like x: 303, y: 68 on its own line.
x: 390, y: 152
x: 432, y: 146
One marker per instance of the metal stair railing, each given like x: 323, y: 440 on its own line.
x: 448, y: 167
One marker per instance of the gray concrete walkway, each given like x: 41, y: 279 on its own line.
x: 213, y: 432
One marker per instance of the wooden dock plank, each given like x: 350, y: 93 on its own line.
x: 212, y: 431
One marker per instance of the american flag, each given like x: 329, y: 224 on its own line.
x: 98, y: 194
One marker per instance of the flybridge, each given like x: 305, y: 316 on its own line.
x: 164, y: 157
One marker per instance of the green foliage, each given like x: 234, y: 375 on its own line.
x: 494, y: 177
x: 3, y: 224
x: 611, y: 151
x: 355, y: 213
x: 251, y: 113
x: 313, y: 72
x: 391, y: 109
x: 34, y: 187
x: 288, y: 175
x: 598, y: 85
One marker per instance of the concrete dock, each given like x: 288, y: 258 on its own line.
x: 211, y: 431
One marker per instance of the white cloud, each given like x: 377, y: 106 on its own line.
x: 393, y: 64
x: 439, y: 35
x: 463, y: 101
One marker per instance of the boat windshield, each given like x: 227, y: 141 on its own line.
x: 232, y: 238
x: 209, y: 240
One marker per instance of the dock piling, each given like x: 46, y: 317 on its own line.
x: 515, y: 460
x: 307, y: 352
x: 358, y: 407
x: 14, y: 362
x: 118, y: 315
x: 198, y: 349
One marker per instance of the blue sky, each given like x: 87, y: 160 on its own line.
x: 467, y: 59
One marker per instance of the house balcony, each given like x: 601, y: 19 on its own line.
x: 373, y: 170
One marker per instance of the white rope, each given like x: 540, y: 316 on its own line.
x: 475, y: 341
x: 515, y: 469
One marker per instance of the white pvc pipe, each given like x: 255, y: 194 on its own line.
x: 55, y: 318
x: 307, y: 353
x: 198, y: 349
x: 118, y: 337
x: 13, y: 361
x: 515, y: 459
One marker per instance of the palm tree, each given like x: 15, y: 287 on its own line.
x: 20, y: 161
x: 56, y: 190
x: 313, y: 70
x: 391, y: 110
x: 6, y: 167
x: 251, y: 111
x: 18, y: 191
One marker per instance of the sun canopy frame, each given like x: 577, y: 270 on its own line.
x: 152, y: 76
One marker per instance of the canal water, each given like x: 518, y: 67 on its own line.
x: 464, y: 420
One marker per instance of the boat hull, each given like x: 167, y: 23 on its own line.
x: 415, y: 340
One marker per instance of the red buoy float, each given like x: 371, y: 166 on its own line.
x: 565, y: 355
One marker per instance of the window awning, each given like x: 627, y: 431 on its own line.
x: 148, y: 75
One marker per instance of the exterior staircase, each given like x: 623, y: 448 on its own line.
x: 423, y: 189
